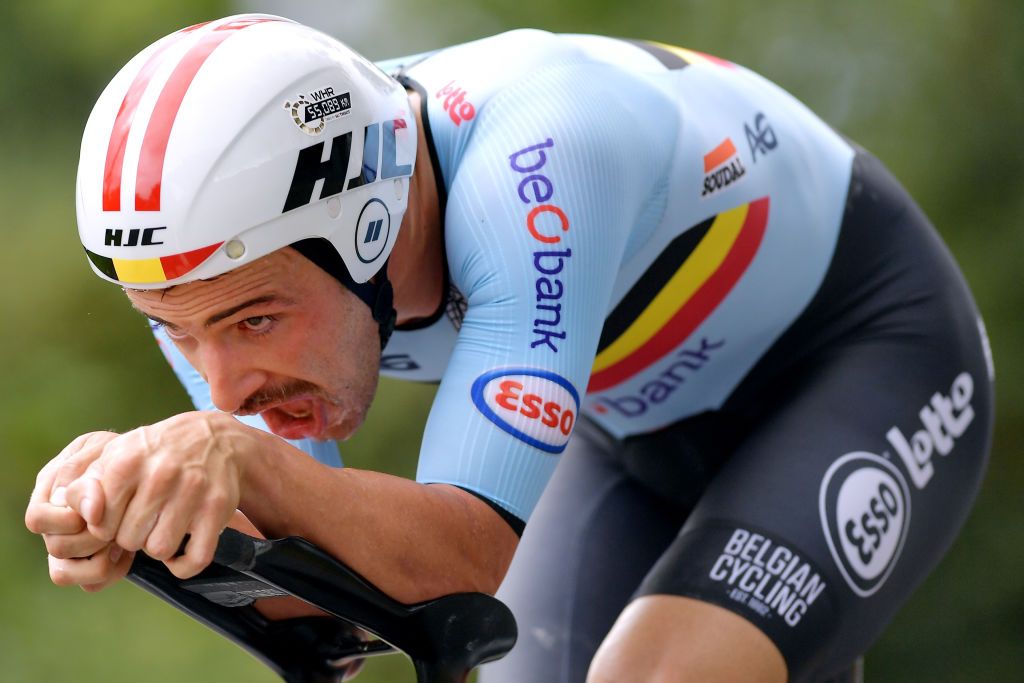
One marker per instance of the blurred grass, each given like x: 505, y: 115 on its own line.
x: 933, y: 88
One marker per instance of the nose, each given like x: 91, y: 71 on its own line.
x: 232, y: 376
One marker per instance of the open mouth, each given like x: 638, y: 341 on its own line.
x: 298, y: 418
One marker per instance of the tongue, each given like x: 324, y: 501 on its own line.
x: 297, y: 419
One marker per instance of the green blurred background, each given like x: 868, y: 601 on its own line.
x: 933, y: 87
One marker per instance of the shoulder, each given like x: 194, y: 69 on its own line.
x: 526, y: 71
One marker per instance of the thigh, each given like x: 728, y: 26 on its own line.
x: 870, y: 423
x: 592, y: 538
x: 840, y: 502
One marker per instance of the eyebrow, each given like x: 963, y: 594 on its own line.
x: 227, y: 313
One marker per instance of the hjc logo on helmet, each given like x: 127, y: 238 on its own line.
x: 379, y: 153
x: 114, y: 237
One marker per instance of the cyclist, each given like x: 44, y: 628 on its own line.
x: 759, y: 372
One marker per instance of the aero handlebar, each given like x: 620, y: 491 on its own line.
x: 445, y: 638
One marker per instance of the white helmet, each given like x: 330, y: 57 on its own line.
x: 226, y: 141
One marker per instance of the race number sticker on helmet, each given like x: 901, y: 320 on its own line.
x: 372, y: 230
x: 535, y: 406
x: 311, y: 113
x: 865, y: 511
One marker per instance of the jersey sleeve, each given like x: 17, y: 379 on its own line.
x: 559, y: 172
x: 199, y: 391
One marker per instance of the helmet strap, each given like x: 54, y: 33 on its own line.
x: 377, y: 293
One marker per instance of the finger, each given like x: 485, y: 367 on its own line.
x: 97, y: 569
x: 79, y: 454
x: 73, y: 546
x: 120, y: 473
x: 150, y: 502
x: 37, y: 512
x: 173, y: 523
x: 205, y: 530
x: 85, y: 495
x: 120, y: 562
x: 44, y: 481
x: 43, y: 518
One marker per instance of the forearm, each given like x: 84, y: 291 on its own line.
x: 412, y: 541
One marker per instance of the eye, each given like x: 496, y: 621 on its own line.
x: 258, y: 323
x: 173, y: 332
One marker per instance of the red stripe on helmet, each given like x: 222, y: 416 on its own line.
x: 181, y: 264
x: 193, y: 27
x: 154, y: 144
x: 113, y: 168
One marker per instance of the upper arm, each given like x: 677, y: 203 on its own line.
x: 540, y: 210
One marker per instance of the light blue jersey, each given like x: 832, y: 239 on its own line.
x: 628, y: 228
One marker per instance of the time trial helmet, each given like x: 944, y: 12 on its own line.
x: 225, y: 141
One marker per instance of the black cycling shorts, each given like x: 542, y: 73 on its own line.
x: 814, y: 501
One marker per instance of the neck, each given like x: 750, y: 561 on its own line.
x: 416, y: 265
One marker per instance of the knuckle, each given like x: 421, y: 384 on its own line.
x: 217, y: 500
x: 163, y: 476
x: 183, y: 568
x: 59, y: 547
x: 69, y: 469
x: 160, y: 548
x: 194, y: 561
x: 46, y: 474
x: 193, y: 480
x: 102, y: 533
x: 96, y: 438
x: 127, y: 540
x: 79, y: 442
x: 121, y: 470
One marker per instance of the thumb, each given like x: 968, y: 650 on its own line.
x: 85, y: 496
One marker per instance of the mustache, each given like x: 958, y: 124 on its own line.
x: 266, y: 398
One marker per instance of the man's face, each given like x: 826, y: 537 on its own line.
x: 278, y: 337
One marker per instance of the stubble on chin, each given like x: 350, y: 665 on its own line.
x: 353, y: 415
